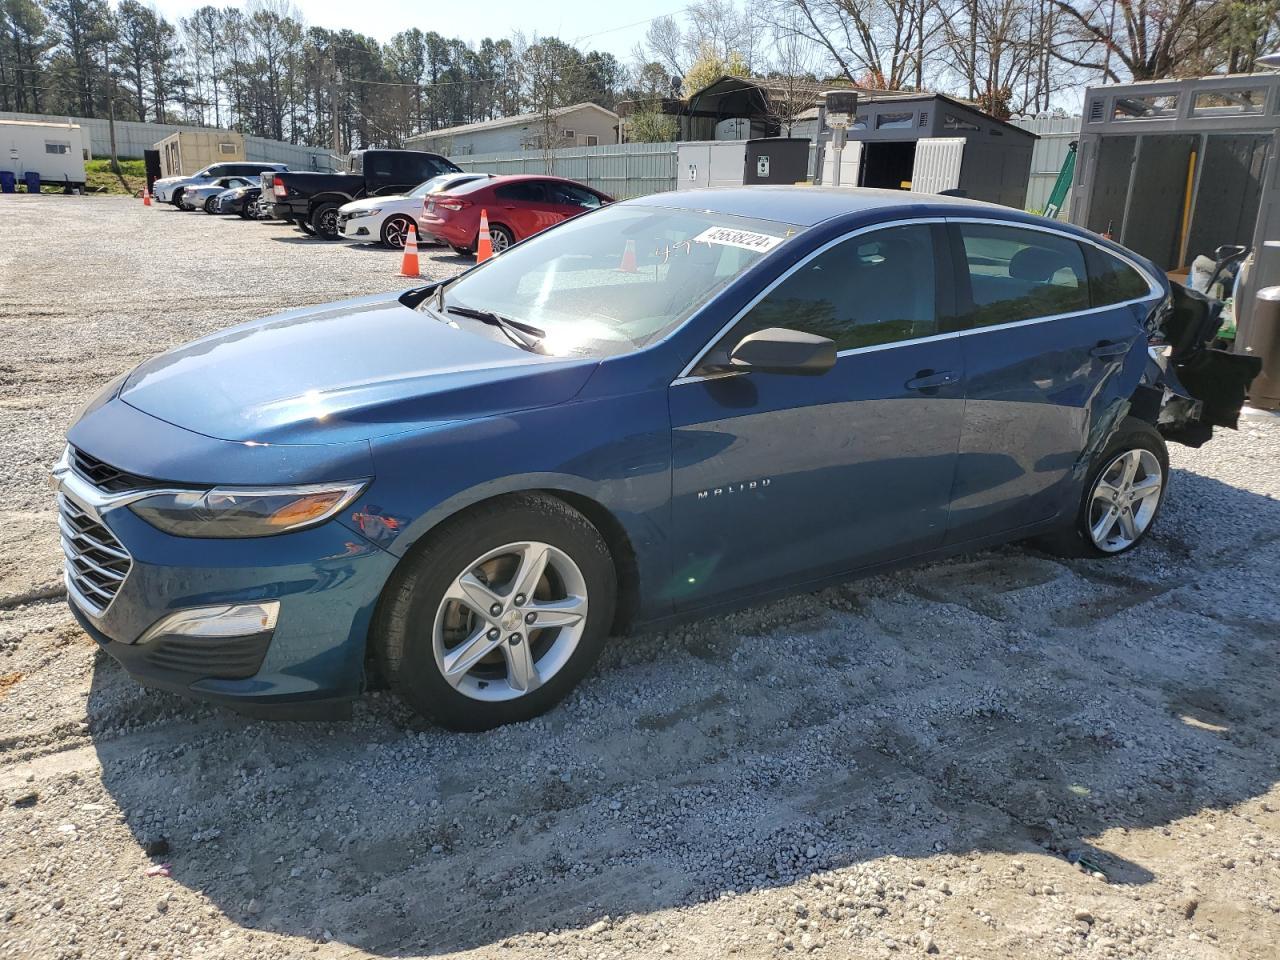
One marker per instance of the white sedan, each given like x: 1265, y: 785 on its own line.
x: 387, y: 219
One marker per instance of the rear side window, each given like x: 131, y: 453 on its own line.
x: 526, y: 191
x: 1111, y: 280
x: 1017, y: 274
x: 872, y: 289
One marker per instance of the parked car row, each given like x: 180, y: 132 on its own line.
x: 382, y: 193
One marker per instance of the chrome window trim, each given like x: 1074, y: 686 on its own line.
x: 687, y: 376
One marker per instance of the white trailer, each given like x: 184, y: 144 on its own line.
x: 56, y: 151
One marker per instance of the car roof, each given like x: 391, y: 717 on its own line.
x: 513, y: 177
x: 807, y: 206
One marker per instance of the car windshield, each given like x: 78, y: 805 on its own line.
x: 614, y: 280
x: 436, y: 184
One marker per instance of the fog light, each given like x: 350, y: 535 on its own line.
x: 240, y: 620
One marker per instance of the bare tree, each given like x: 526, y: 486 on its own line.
x: 880, y: 44
x: 1146, y: 39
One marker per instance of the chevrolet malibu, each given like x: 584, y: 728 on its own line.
x: 665, y: 408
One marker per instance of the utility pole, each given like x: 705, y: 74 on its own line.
x: 111, y: 110
x: 333, y: 99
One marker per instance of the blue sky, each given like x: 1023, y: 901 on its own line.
x: 602, y: 26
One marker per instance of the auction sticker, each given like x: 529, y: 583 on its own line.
x: 745, y: 239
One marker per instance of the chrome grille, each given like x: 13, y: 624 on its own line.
x: 106, y: 477
x: 97, y: 563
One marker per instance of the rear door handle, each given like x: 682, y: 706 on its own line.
x: 927, y: 379
x: 1110, y: 348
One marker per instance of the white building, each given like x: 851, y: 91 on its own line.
x: 581, y: 125
x: 56, y: 151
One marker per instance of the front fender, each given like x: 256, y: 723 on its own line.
x: 581, y: 448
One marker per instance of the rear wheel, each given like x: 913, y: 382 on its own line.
x: 324, y: 221
x: 498, y: 614
x: 1123, y: 493
x: 501, y: 237
x: 394, y: 231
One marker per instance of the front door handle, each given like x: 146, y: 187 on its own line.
x: 1109, y: 348
x: 931, y: 379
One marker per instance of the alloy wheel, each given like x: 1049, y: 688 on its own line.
x: 510, y: 621
x: 396, y: 233
x: 499, y: 240
x: 1124, y: 499
x: 327, y: 224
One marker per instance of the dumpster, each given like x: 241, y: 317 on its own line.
x: 32, y: 180
x: 7, y: 182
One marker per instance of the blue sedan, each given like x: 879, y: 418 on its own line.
x: 668, y: 407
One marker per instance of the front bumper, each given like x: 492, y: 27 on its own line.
x: 359, y: 228
x: 325, y: 580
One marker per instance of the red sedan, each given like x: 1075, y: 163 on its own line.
x: 518, y: 207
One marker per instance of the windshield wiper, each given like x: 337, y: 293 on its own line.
x: 521, y: 334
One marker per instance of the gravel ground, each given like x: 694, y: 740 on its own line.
x: 1004, y: 755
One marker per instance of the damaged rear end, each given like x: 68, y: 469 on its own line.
x: 1190, y: 386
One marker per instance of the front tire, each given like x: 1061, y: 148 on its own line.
x: 208, y: 206
x: 394, y: 231
x: 304, y: 226
x: 1123, y: 493
x: 176, y: 199
x: 497, y: 614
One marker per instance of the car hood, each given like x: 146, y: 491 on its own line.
x: 345, y: 371
x: 370, y: 203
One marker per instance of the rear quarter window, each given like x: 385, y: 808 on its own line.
x: 1111, y: 280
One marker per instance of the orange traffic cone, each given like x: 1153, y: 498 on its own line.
x: 628, y: 264
x: 409, y: 262
x: 146, y: 196
x: 484, y: 246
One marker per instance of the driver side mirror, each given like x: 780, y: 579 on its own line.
x: 779, y: 350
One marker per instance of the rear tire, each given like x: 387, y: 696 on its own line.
x: 445, y: 651
x: 324, y: 221
x: 461, y: 251
x: 1122, y: 495
x: 500, y: 237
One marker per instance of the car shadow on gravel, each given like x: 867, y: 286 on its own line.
x: 1004, y: 701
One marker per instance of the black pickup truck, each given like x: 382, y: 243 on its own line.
x: 312, y: 200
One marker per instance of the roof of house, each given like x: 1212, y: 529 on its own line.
x: 41, y: 123
x: 519, y: 120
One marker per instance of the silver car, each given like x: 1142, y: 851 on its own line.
x: 202, y: 197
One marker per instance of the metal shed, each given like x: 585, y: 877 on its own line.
x: 1176, y: 168
x: 929, y: 142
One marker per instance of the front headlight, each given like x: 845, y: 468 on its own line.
x: 354, y: 214
x: 243, y: 512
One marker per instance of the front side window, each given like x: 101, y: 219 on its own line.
x: 871, y: 289
x: 1017, y: 274
x: 615, y: 279
x: 571, y: 196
